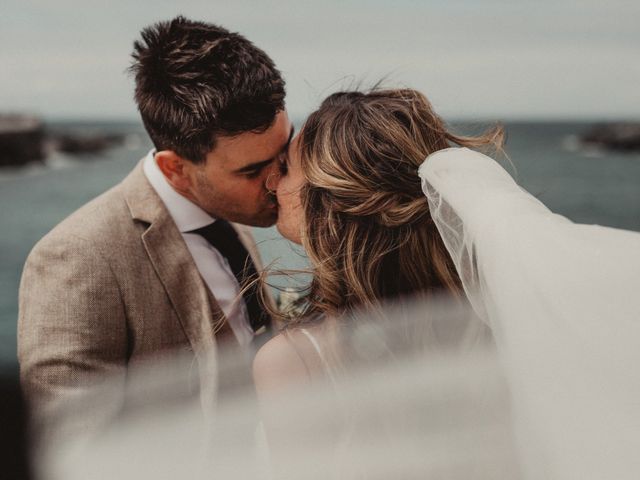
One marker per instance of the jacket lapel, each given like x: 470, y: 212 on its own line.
x: 196, y: 309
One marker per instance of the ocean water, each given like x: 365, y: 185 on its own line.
x: 587, y: 186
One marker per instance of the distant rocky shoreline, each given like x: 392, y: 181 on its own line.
x: 623, y: 137
x: 25, y: 139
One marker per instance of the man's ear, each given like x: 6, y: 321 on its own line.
x: 176, y: 170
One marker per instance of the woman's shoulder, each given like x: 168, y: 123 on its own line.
x: 290, y: 358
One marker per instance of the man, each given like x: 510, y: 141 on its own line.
x: 152, y: 265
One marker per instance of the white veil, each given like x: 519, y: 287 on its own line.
x: 563, y: 302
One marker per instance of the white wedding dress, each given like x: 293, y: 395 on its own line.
x: 563, y: 302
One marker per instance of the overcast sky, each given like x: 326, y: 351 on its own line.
x: 562, y: 59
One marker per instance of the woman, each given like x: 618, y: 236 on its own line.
x: 350, y: 194
x: 560, y: 297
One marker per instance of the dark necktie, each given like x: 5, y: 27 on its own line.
x: 225, y: 239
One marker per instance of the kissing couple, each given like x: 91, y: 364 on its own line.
x: 386, y: 201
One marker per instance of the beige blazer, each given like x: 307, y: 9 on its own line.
x: 110, y: 286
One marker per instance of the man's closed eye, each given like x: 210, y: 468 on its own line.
x: 254, y: 170
x: 254, y: 173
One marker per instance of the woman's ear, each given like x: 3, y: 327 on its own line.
x: 175, y: 169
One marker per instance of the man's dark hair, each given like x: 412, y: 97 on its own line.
x: 196, y: 81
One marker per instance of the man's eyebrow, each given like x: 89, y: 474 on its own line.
x: 263, y: 163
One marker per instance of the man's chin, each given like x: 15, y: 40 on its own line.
x: 265, y: 223
x: 264, y: 220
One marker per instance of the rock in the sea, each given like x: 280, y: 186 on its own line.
x: 614, y: 136
x: 21, y: 140
x: 25, y: 139
x: 77, y: 144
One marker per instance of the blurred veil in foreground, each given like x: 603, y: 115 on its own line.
x: 412, y: 392
x: 537, y: 380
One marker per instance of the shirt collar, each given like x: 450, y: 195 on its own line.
x: 187, y: 215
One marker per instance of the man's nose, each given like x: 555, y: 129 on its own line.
x: 273, y: 178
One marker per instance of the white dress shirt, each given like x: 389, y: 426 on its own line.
x: 211, y: 264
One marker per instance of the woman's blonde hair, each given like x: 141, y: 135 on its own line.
x: 367, y: 229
